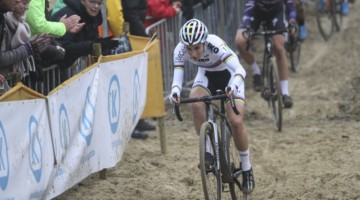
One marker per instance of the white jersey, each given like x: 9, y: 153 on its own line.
x: 217, y: 57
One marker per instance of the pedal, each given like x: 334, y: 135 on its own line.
x: 266, y: 93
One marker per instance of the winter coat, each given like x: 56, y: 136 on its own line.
x: 158, y: 9
x: 134, y: 13
x: 9, y: 55
x: 36, y: 18
x: 78, y: 44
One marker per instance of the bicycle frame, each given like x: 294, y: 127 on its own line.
x: 211, y: 118
x: 269, y: 78
x: 268, y: 54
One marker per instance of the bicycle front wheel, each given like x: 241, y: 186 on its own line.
x: 294, y: 53
x: 210, y: 173
x: 233, y: 165
x: 325, y: 18
x: 338, y: 7
x: 276, y: 96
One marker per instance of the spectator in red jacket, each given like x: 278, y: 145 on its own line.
x: 159, y: 9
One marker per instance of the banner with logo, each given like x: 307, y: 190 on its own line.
x: 92, y: 118
x: 121, y: 102
x: 26, y: 151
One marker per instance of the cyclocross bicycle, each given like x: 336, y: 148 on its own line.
x: 224, y: 174
x: 270, y: 81
x: 329, y: 17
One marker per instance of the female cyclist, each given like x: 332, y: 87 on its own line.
x: 218, y: 67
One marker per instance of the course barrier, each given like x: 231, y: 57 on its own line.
x: 81, y: 127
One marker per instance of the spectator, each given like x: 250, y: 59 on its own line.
x: 19, y: 34
x: 188, y: 7
x: 19, y: 51
x: 36, y: 18
x: 81, y: 43
x: 114, y: 14
x: 5, y: 6
x: 115, y: 17
x: 134, y: 13
x: 59, y: 4
x: 159, y: 9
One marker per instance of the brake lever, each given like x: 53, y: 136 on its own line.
x: 232, y: 102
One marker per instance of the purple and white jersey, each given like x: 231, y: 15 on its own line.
x: 268, y: 6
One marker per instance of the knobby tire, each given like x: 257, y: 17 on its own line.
x: 232, y: 161
x: 294, y: 46
x: 338, y: 14
x: 211, y: 178
x: 325, y: 19
x: 276, y: 96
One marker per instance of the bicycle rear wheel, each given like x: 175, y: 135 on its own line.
x: 325, y: 18
x: 210, y: 175
x: 276, y: 96
x: 338, y: 7
x: 233, y: 165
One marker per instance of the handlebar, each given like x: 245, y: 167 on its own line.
x: 268, y: 32
x: 248, y: 33
x: 207, y: 99
x: 176, y: 108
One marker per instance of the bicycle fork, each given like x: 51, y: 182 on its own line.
x: 216, y: 145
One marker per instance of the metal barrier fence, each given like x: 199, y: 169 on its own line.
x: 221, y: 18
x: 54, y: 75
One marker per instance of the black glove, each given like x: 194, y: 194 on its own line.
x: 38, y: 74
x: 107, y: 44
x: 52, y: 55
x: 38, y: 44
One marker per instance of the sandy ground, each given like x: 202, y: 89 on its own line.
x: 315, y: 157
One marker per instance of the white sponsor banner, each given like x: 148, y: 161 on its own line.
x: 92, y: 118
x: 71, y: 112
x: 121, y: 103
x: 26, y: 150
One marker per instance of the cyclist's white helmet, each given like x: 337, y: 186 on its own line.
x: 193, y: 32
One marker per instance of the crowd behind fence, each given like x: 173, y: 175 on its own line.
x: 222, y: 18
